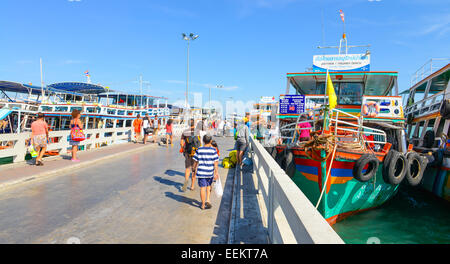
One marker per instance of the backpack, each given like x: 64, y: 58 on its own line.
x: 192, y: 144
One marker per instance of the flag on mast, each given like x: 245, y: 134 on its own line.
x: 342, y: 16
x: 332, y: 98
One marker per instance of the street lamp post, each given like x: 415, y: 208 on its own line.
x: 188, y: 38
x: 210, y: 108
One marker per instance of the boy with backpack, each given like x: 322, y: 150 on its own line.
x: 190, y: 142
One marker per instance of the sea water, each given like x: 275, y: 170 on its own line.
x: 413, y: 216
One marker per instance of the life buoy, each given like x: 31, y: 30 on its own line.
x: 363, y: 174
x: 371, y: 109
x: 395, y: 166
x: 416, y: 168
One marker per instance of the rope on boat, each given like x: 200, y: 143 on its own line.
x: 328, y: 176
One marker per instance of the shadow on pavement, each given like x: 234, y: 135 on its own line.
x: 169, y: 182
x: 183, y: 199
x: 174, y: 173
x: 221, y: 228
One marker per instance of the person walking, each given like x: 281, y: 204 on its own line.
x: 137, y: 125
x: 242, y: 140
x: 146, y: 126
x: 75, y: 123
x: 39, y: 137
x: 206, y: 169
x: 190, y: 142
x: 169, y: 132
x: 155, y: 129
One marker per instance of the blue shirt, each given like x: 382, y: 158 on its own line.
x: 206, y: 157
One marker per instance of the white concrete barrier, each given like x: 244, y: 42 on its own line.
x: 291, y: 217
x: 16, y: 144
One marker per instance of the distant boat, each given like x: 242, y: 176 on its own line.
x: 428, y: 115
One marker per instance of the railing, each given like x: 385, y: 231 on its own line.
x: 17, y: 144
x: 427, y: 69
x: 426, y: 106
x: 335, y: 113
x: 291, y: 218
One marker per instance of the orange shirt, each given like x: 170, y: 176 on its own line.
x: 137, y: 124
x: 39, y: 127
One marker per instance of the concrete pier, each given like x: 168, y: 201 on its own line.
x: 131, y: 193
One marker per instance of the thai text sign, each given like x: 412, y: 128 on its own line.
x: 292, y: 104
x: 348, y: 62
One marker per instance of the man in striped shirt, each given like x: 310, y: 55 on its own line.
x: 206, y: 167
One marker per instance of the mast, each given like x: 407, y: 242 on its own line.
x: 42, y: 80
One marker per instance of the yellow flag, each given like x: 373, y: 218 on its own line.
x: 332, y: 98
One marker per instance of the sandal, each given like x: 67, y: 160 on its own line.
x: 208, y: 206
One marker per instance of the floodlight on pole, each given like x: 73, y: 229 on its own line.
x: 188, y: 38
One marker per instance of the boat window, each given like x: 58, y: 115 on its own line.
x: 46, y: 108
x: 90, y: 109
x: 350, y: 93
x: 439, y: 83
x: 61, y: 109
x: 130, y: 113
x: 121, y: 112
x: 419, y: 131
x: 320, y: 88
x: 76, y: 108
x: 111, y: 111
x: 378, y: 84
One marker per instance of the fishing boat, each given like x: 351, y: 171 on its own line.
x: 428, y: 121
x: 357, y: 154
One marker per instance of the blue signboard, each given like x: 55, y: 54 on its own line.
x: 292, y: 104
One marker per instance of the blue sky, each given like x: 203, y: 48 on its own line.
x: 245, y: 45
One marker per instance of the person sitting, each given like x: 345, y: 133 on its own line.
x: 305, y: 133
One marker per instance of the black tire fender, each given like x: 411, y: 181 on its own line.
x: 395, y: 167
x: 416, y: 168
x: 279, y: 158
x: 291, y: 168
x: 373, y: 164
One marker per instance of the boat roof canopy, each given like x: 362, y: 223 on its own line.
x: 79, y: 87
x: 375, y: 83
x: 15, y: 87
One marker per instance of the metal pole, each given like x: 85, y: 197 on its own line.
x: 42, y: 81
x: 187, y: 78
x: 210, y: 110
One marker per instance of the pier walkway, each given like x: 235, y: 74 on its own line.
x: 131, y: 193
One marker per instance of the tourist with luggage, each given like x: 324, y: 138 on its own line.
x: 190, y: 142
x: 39, y: 137
x: 242, y: 140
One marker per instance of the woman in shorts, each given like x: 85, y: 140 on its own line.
x: 74, y: 123
x: 169, y: 132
